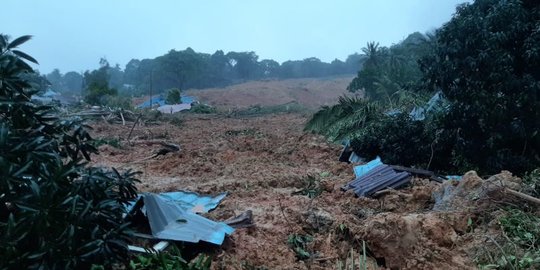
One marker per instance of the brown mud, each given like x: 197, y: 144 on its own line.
x: 260, y: 162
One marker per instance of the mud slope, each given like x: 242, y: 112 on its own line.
x: 260, y: 161
x: 309, y: 92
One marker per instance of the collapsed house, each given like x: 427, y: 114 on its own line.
x: 174, y: 216
x: 159, y: 101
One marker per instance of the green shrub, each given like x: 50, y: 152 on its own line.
x: 520, y: 246
x: 169, y: 260
x: 55, y: 211
x: 202, y: 109
x: 522, y: 228
x: 118, y: 102
x: 312, y: 187
x: 531, y: 183
x: 299, y: 243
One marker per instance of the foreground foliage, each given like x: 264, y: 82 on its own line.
x: 55, y: 211
x: 169, y: 260
x: 519, y: 248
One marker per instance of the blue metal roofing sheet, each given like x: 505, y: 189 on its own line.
x: 191, y: 200
x: 159, y: 100
x: 170, y: 221
x: 378, y: 177
x: 363, y: 169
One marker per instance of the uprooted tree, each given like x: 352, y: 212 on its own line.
x: 56, y: 212
x: 485, y: 64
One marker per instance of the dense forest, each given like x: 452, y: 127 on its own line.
x: 480, y: 71
x: 190, y: 69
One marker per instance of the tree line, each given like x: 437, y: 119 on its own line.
x: 185, y: 69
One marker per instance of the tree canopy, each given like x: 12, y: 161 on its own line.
x: 484, y: 66
x: 187, y: 68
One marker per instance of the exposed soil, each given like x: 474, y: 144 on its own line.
x: 260, y: 162
x: 309, y: 92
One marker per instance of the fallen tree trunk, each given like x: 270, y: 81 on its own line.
x: 523, y: 196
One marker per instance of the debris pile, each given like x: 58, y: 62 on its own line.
x: 376, y: 179
x: 423, y: 224
x: 174, y: 216
x: 110, y: 116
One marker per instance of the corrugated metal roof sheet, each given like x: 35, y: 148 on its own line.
x: 160, y: 100
x: 174, y: 108
x: 363, y: 169
x: 377, y: 178
x: 169, y: 221
x: 193, y: 201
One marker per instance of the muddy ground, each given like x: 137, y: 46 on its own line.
x: 308, y: 92
x: 260, y: 162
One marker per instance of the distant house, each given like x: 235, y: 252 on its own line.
x: 50, y: 93
x: 50, y: 96
x: 159, y: 100
x: 174, y: 108
x: 46, y: 97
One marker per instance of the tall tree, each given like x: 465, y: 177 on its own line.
x: 486, y: 64
x: 73, y: 82
x: 96, y: 85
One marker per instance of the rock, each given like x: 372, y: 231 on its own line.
x: 465, y: 194
x: 319, y: 220
x: 506, y: 179
x: 454, y: 195
x: 327, y: 186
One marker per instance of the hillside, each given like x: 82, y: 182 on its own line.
x: 309, y: 92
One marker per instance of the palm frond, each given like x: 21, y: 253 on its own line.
x: 18, y: 41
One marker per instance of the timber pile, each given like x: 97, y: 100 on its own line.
x: 111, y: 116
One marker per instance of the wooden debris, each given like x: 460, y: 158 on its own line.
x: 523, y: 196
x: 419, y: 172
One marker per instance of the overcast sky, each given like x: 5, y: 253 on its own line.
x: 74, y: 35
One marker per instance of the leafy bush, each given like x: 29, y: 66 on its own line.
x: 531, y: 183
x: 202, y: 109
x: 55, y: 211
x: 118, y: 102
x: 312, y: 187
x: 385, y: 138
x: 520, y: 246
x: 169, y: 260
x: 299, y: 243
x: 522, y: 228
